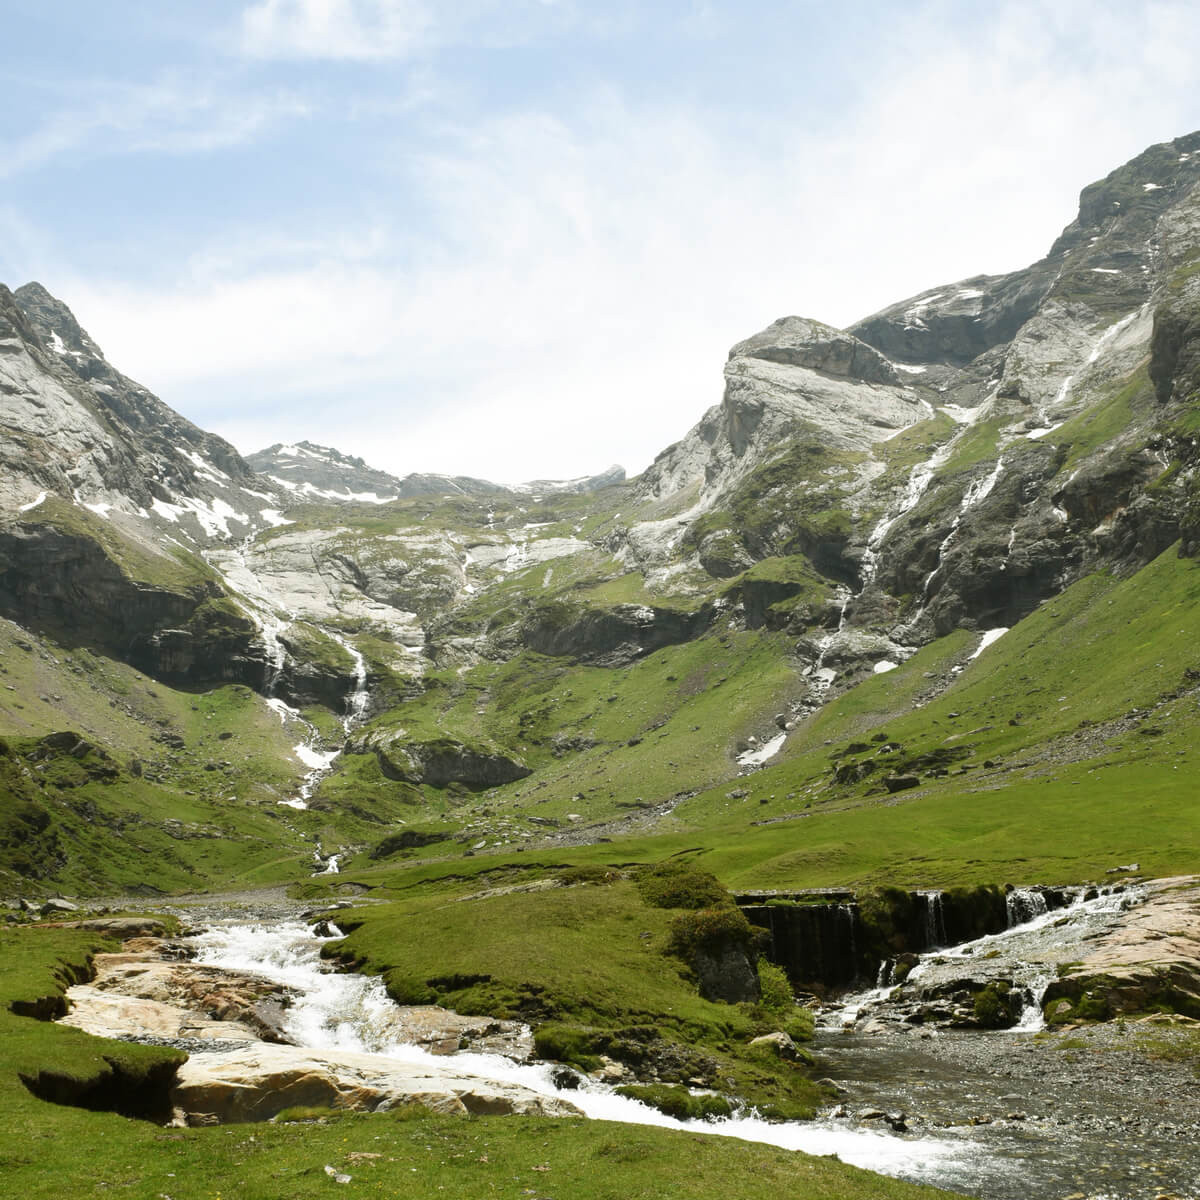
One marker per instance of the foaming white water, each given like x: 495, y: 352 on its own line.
x: 844, y: 1014
x: 1068, y: 924
x: 1031, y: 951
x: 334, y: 1011
x: 1037, y: 939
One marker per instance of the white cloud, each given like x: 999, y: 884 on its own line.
x: 589, y: 268
x: 349, y: 29
x: 173, y: 114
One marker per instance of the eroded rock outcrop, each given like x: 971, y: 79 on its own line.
x: 438, y: 761
x: 259, y: 1082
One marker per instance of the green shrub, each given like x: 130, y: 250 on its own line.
x: 993, y: 1007
x: 674, y: 884
x: 776, y: 990
x: 711, y: 930
x: 677, y: 1101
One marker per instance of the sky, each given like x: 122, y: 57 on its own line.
x: 516, y: 238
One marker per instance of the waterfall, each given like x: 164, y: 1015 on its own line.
x: 252, y: 596
x: 848, y: 916
x: 1025, y: 904
x: 1044, y: 416
x: 978, y: 491
x: 935, y: 919
x: 356, y: 700
x: 823, y: 676
x: 334, y: 1013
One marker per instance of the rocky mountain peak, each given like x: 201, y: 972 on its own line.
x: 574, y: 487
x: 800, y: 342
x: 55, y: 323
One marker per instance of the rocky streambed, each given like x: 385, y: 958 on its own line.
x: 266, y: 1029
x: 268, y: 1026
x: 1106, y: 1110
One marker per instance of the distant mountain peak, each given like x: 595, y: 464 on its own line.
x: 310, y: 471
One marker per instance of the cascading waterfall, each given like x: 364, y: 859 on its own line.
x: 935, y: 919
x: 356, y: 701
x: 1025, y: 904
x: 258, y: 605
x: 978, y: 491
x: 918, y: 483
x: 1037, y: 938
x: 822, y: 676
x: 1044, y: 419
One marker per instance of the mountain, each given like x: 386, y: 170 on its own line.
x: 309, y: 471
x: 312, y: 472
x: 864, y: 513
x: 898, y: 645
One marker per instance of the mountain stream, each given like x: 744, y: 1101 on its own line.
x: 332, y: 1011
x: 1008, y: 1115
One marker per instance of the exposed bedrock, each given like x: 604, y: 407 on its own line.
x: 610, y: 636
x: 438, y: 761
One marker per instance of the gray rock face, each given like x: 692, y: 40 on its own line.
x: 438, y: 761
x: 611, y: 636
x: 74, y: 426
x: 794, y: 378
x: 797, y: 342
x: 611, y: 477
x: 313, y: 472
x: 957, y: 323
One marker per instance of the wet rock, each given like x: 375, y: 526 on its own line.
x: 726, y: 973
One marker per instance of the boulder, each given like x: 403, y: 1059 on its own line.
x: 726, y: 973
x: 123, y: 928
x: 259, y: 1082
x: 439, y: 761
x: 779, y: 1044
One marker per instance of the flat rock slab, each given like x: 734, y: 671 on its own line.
x: 1164, y: 929
x: 259, y: 1082
x: 212, y: 993
x: 109, y: 1014
x: 117, y: 927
